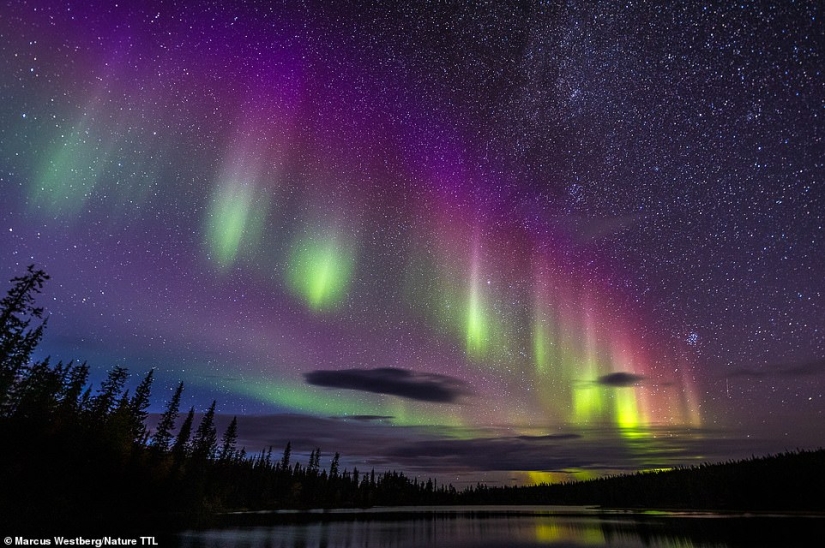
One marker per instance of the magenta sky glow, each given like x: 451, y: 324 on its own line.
x: 508, y: 243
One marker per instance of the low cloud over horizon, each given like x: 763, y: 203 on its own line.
x: 491, y: 455
x: 392, y: 381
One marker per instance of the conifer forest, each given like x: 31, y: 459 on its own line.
x: 82, y: 455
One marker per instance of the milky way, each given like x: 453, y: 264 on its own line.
x: 515, y: 242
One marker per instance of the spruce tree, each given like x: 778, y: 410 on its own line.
x: 285, y: 458
x: 163, y: 432
x: 205, y: 441
x: 230, y: 436
x: 34, y: 396
x: 18, y: 338
x: 76, y: 378
x: 181, y: 448
x: 137, y: 408
x: 104, y: 402
x: 333, y: 467
x: 314, y: 462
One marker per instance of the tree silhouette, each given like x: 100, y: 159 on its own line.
x: 18, y: 338
x: 137, y: 408
x: 287, y: 454
x: 103, y: 404
x: 181, y: 448
x: 333, y: 467
x: 163, y: 431
x: 206, y: 437
x: 230, y: 436
x: 72, y: 457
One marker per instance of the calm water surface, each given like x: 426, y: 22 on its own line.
x: 491, y: 526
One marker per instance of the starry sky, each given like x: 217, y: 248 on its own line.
x: 504, y: 241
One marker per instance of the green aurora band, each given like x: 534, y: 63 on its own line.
x: 319, y: 271
x: 236, y: 220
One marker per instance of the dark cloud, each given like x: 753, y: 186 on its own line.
x: 747, y: 373
x: 597, y: 450
x: 392, y: 381
x: 550, y: 437
x: 305, y: 432
x: 584, y: 230
x: 806, y: 369
x: 620, y: 379
x: 455, y: 455
x: 364, y: 418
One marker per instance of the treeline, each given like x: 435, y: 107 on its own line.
x: 78, y: 457
x: 74, y: 457
x: 791, y: 481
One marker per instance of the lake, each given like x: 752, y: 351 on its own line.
x: 507, y: 526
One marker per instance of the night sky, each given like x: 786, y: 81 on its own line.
x: 508, y: 242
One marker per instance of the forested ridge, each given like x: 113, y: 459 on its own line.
x: 75, y: 455
x: 791, y: 481
x: 80, y: 456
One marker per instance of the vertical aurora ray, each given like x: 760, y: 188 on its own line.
x: 542, y: 344
x: 688, y: 399
x: 677, y: 401
x: 576, y: 342
x: 550, y: 375
x: 485, y: 318
x: 239, y: 206
x: 627, y: 415
x: 570, y: 337
x: 476, y: 324
x: 72, y: 170
x: 552, y: 378
x: 590, y: 398
x: 444, y: 279
x: 246, y: 193
x: 320, y: 270
x: 108, y: 162
x: 138, y: 149
x: 628, y: 401
x: 104, y: 168
x: 443, y: 285
x: 236, y: 218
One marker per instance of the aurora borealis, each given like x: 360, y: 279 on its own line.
x: 509, y: 242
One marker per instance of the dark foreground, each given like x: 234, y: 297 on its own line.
x: 76, y: 459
